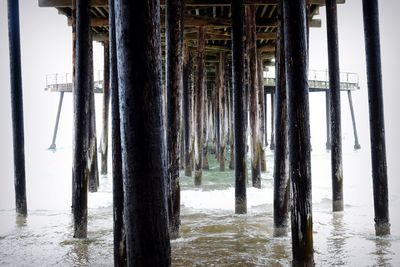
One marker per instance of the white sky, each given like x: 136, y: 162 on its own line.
x: 46, y: 48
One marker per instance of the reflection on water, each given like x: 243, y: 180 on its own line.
x: 78, y: 253
x: 20, y: 221
x: 383, y: 254
x: 211, y: 234
x: 337, y: 240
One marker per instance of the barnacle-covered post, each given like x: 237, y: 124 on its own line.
x: 295, y: 36
x: 17, y: 107
x: 138, y: 35
x: 238, y: 102
x: 376, y: 116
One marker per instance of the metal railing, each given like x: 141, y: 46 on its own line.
x: 62, y: 82
x: 319, y: 79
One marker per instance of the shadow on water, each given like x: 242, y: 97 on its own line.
x: 20, y: 220
x: 383, y: 253
x: 78, y: 253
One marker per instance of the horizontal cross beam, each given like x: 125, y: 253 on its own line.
x: 210, y: 3
x: 219, y: 36
x: 197, y: 21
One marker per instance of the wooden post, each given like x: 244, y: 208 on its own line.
x: 376, y: 116
x: 266, y: 117
x: 353, y: 119
x: 221, y: 104
x: 187, y: 81
x: 205, y: 165
x: 181, y: 143
x: 228, y: 105
x: 217, y: 118
x: 261, y: 115
x: 73, y: 27
x: 272, y: 145
x: 192, y: 105
x: 118, y: 190
x: 281, y: 163
x: 238, y: 100
x: 247, y: 111
x: 174, y: 67
x: 106, y: 108
x: 17, y: 107
x: 225, y: 113
x: 142, y: 135
x: 92, y: 142
x: 211, y: 118
x: 199, y: 106
x: 253, y: 89
x: 231, y: 122
x: 334, y: 88
x: 328, y: 119
x: 295, y: 36
x: 81, y: 94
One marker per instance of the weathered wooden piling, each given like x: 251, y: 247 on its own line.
x: 174, y: 78
x: 261, y: 113
x: 192, y: 105
x: 253, y: 89
x: 205, y: 164
x: 17, y: 110
x: 199, y: 103
x: 237, y: 36
x: 295, y: 36
x: 80, y: 168
x: 247, y: 106
x: 186, y: 108
x: 281, y: 161
x: 211, y: 118
x: 118, y: 188
x: 231, y: 122
x: 91, y: 132
x: 142, y: 136
x: 266, y: 117
x: 272, y: 144
x: 228, y: 106
x: 217, y: 117
x: 353, y: 120
x: 334, y: 89
x: 106, y: 109
x: 328, y: 143
x: 73, y: 28
x: 181, y: 144
x: 221, y: 104
x: 376, y: 116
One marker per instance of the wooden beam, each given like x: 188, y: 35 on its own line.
x: 313, y: 23
x: 227, y: 36
x: 198, y: 21
x: 68, y: 3
x: 211, y: 3
x: 266, y: 48
x: 95, y: 22
x: 211, y: 48
x: 189, y: 3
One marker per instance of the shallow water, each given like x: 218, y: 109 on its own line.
x: 211, y: 234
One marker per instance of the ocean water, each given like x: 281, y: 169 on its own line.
x: 211, y: 234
